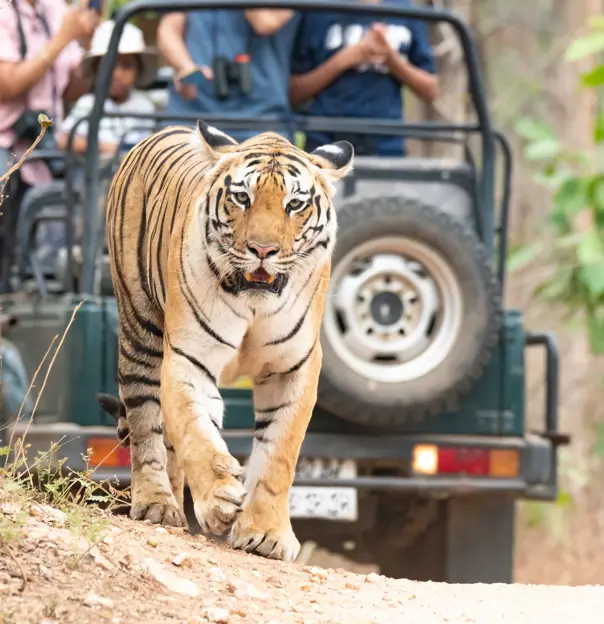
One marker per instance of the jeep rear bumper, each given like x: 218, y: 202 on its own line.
x: 535, y: 477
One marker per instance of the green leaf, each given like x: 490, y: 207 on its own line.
x: 534, y: 130
x: 542, y: 150
x: 596, y: 21
x: 594, y: 78
x: 590, y: 249
x: 595, y: 329
x: 44, y: 121
x: 593, y: 277
x: 599, y: 129
x: 598, y: 447
x: 522, y: 256
x: 571, y: 196
x: 564, y: 499
x: 585, y: 46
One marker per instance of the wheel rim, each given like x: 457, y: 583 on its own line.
x: 394, y: 309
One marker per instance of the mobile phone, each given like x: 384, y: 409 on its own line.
x: 196, y: 78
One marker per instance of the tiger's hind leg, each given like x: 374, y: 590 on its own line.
x: 152, y: 489
x: 175, y: 474
x: 117, y: 410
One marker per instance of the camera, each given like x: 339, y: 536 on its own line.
x: 27, y: 129
x: 232, y: 74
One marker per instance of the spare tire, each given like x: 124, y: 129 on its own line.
x: 412, y: 313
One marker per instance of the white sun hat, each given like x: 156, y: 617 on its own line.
x: 131, y: 42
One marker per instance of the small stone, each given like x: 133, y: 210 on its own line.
x: 372, y: 578
x: 101, y: 560
x: 243, y: 590
x: 183, y: 559
x: 168, y: 579
x: 46, y: 572
x: 212, y: 561
x: 350, y: 585
x: 217, y: 614
x: 153, y: 541
x: 93, y: 600
x: 274, y: 580
x: 108, y: 540
x: 305, y: 588
x: 161, y: 529
x: 49, y: 514
x: 340, y: 571
x: 316, y: 571
x: 217, y: 574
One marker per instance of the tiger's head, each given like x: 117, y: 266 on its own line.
x: 268, y: 213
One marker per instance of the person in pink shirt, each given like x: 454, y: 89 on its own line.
x: 40, y: 54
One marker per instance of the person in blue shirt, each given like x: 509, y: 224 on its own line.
x: 204, y: 39
x: 352, y: 66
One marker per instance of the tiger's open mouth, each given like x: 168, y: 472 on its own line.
x: 260, y: 276
x: 259, y: 280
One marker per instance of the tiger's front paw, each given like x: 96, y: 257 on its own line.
x: 218, y: 505
x: 272, y: 542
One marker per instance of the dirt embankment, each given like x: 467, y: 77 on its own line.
x: 62, y: 568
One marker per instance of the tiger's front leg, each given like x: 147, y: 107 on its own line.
x: 193, y: 411
x: 283, y: 405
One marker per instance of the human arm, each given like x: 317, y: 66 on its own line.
x: 265, y: 22
x: 78, y: 84
x: 17, y: 76
x: 171, y: 45
x: 171, y: 42
x: 306, y: 85
x: 417, y: 72
x: 421, y: 82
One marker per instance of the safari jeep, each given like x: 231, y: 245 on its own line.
x: 418, y: 448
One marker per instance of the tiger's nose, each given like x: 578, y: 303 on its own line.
x: 263, y: 251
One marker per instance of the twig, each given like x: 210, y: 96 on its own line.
x: 45, y: 123
x: 19, y: 567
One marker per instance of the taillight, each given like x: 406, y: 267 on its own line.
x: 108, y: 452
x: 429, y: 459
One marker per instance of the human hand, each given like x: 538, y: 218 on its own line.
x: 79, y: 22
x: 189, y: 91
x: 372, y: 48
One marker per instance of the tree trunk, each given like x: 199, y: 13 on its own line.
x: 450, y: 105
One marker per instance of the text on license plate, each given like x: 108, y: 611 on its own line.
x: 324, y: 502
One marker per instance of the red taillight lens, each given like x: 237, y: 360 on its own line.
x: 108, y: 452
x: 429, y: 459
x: 470, y: 461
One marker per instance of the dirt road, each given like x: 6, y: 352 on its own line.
x: 54, y: 569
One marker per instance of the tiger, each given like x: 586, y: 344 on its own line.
x: 220, y: 254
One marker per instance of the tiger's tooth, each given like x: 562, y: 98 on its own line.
x: 248, y: 277
x: 270, y: 279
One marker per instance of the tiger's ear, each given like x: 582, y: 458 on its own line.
x: 213, y: 141
x: 335, y: 158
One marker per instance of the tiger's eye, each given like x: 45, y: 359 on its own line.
x: 295, y: 204
x: 242, y: 197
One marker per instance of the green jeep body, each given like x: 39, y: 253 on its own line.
x: 457, y: 526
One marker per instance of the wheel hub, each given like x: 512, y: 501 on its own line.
x: 386, y: 308
x: 394, y: 309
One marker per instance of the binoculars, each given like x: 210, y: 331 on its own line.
x: 232, y: 74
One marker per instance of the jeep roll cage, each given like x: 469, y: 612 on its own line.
x: 483, y: 126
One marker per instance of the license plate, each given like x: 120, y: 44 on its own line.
x: 328, y: 503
